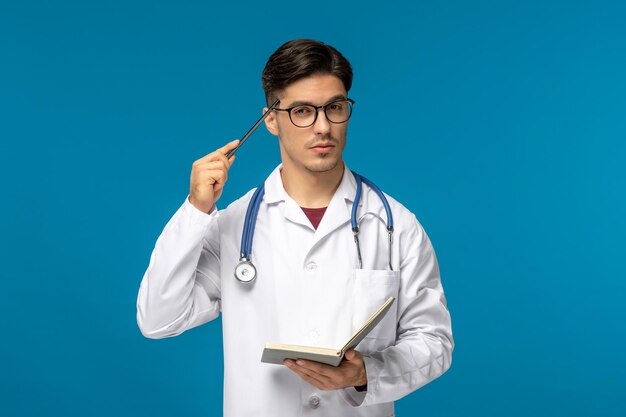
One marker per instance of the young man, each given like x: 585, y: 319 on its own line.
x: 313, y: 288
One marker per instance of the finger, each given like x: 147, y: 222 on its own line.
x: 315, y: 382
x: 313, y: 379
x: 211, y: 169
x: 213, y: 158
x: 212, y: 166
x: 326, y: 379
x: 220, y: 152
x: 228, y: 147
x: 353, y: 355
x: 318, y: 368
x: 212, y: 177
x: 224, y: 159
x: 311, y: 372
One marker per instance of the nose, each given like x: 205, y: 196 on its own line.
x: 321, y: 125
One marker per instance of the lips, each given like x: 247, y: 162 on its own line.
x: 323, y: 146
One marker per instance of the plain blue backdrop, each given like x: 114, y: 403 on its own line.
x: 501, y: 124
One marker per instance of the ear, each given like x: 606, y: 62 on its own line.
x: 271, y: 123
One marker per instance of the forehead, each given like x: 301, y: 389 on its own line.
x: 316, y: 89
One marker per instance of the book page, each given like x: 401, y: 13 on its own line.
x: 277, y: 352
x: 369, y: 325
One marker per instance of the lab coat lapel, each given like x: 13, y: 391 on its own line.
x: 338, y: 212
x: 294, y: 213
x: 336, y: 215
x: 275, y: 193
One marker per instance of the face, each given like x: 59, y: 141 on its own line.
x: 316, y: 148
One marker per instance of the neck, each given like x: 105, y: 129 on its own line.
x: 311, y: 189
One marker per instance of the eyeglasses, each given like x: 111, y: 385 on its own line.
x: 338, y: 111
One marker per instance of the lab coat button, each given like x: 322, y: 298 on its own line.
x: 313, y: 335
x: 314, y: 401
x: 311, y: 266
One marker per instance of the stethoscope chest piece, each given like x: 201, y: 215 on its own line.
x: 245, y: 271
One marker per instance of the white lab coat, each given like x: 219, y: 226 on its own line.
x: 308, y: 291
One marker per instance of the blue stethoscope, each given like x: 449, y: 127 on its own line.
x: 245, y: 270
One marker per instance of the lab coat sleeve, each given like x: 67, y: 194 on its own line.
x: 424, y: 343
x: 181, y: 287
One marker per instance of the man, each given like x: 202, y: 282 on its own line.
x: 311, y: 288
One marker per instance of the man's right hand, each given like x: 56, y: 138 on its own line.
x: 208, y: 176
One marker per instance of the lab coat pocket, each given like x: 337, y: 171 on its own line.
x: 371, y: 290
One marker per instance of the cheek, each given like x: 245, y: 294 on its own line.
x: 284, y: 131
x: 291, y: 138
x: 340, y: 133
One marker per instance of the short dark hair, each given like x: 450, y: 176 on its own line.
x: 302, y: 58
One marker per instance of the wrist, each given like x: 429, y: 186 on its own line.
x: 202, y: 207
x: 361, y: 382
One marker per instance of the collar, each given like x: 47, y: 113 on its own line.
x: 275, y: 190
x: 338, y: 211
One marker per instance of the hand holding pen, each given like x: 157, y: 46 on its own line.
x: 209, y: 173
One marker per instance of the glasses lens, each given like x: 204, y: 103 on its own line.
x: 303, y: 116
x: 339, y: 111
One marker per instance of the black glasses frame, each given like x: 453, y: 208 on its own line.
x: 317, y: 108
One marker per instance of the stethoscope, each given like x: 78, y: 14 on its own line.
x: 245, y: 270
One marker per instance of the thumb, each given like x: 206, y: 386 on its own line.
x: 350, y: 354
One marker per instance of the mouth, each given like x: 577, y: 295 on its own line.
x: 323, y: 147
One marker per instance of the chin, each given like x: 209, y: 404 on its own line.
x: 322, y: 166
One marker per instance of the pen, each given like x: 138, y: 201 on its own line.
x: 252, y: 129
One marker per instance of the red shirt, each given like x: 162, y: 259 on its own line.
x: 315, y: 215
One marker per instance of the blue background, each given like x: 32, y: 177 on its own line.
x: 500, y: 124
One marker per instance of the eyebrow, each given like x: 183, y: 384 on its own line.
x: 308, y: 103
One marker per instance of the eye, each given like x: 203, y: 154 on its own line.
x: 301, y: 111
x: 336, y: 106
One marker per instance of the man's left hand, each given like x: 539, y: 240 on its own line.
x: 350, y: 373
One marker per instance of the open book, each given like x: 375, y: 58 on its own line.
x: 277, y: 352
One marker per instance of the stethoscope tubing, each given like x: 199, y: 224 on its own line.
x: 357, y: 198
x: 255, y: 203
x: 355, y: 227
x: 250, y: 219
x: 382, y: 198
x: 254, y: 217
